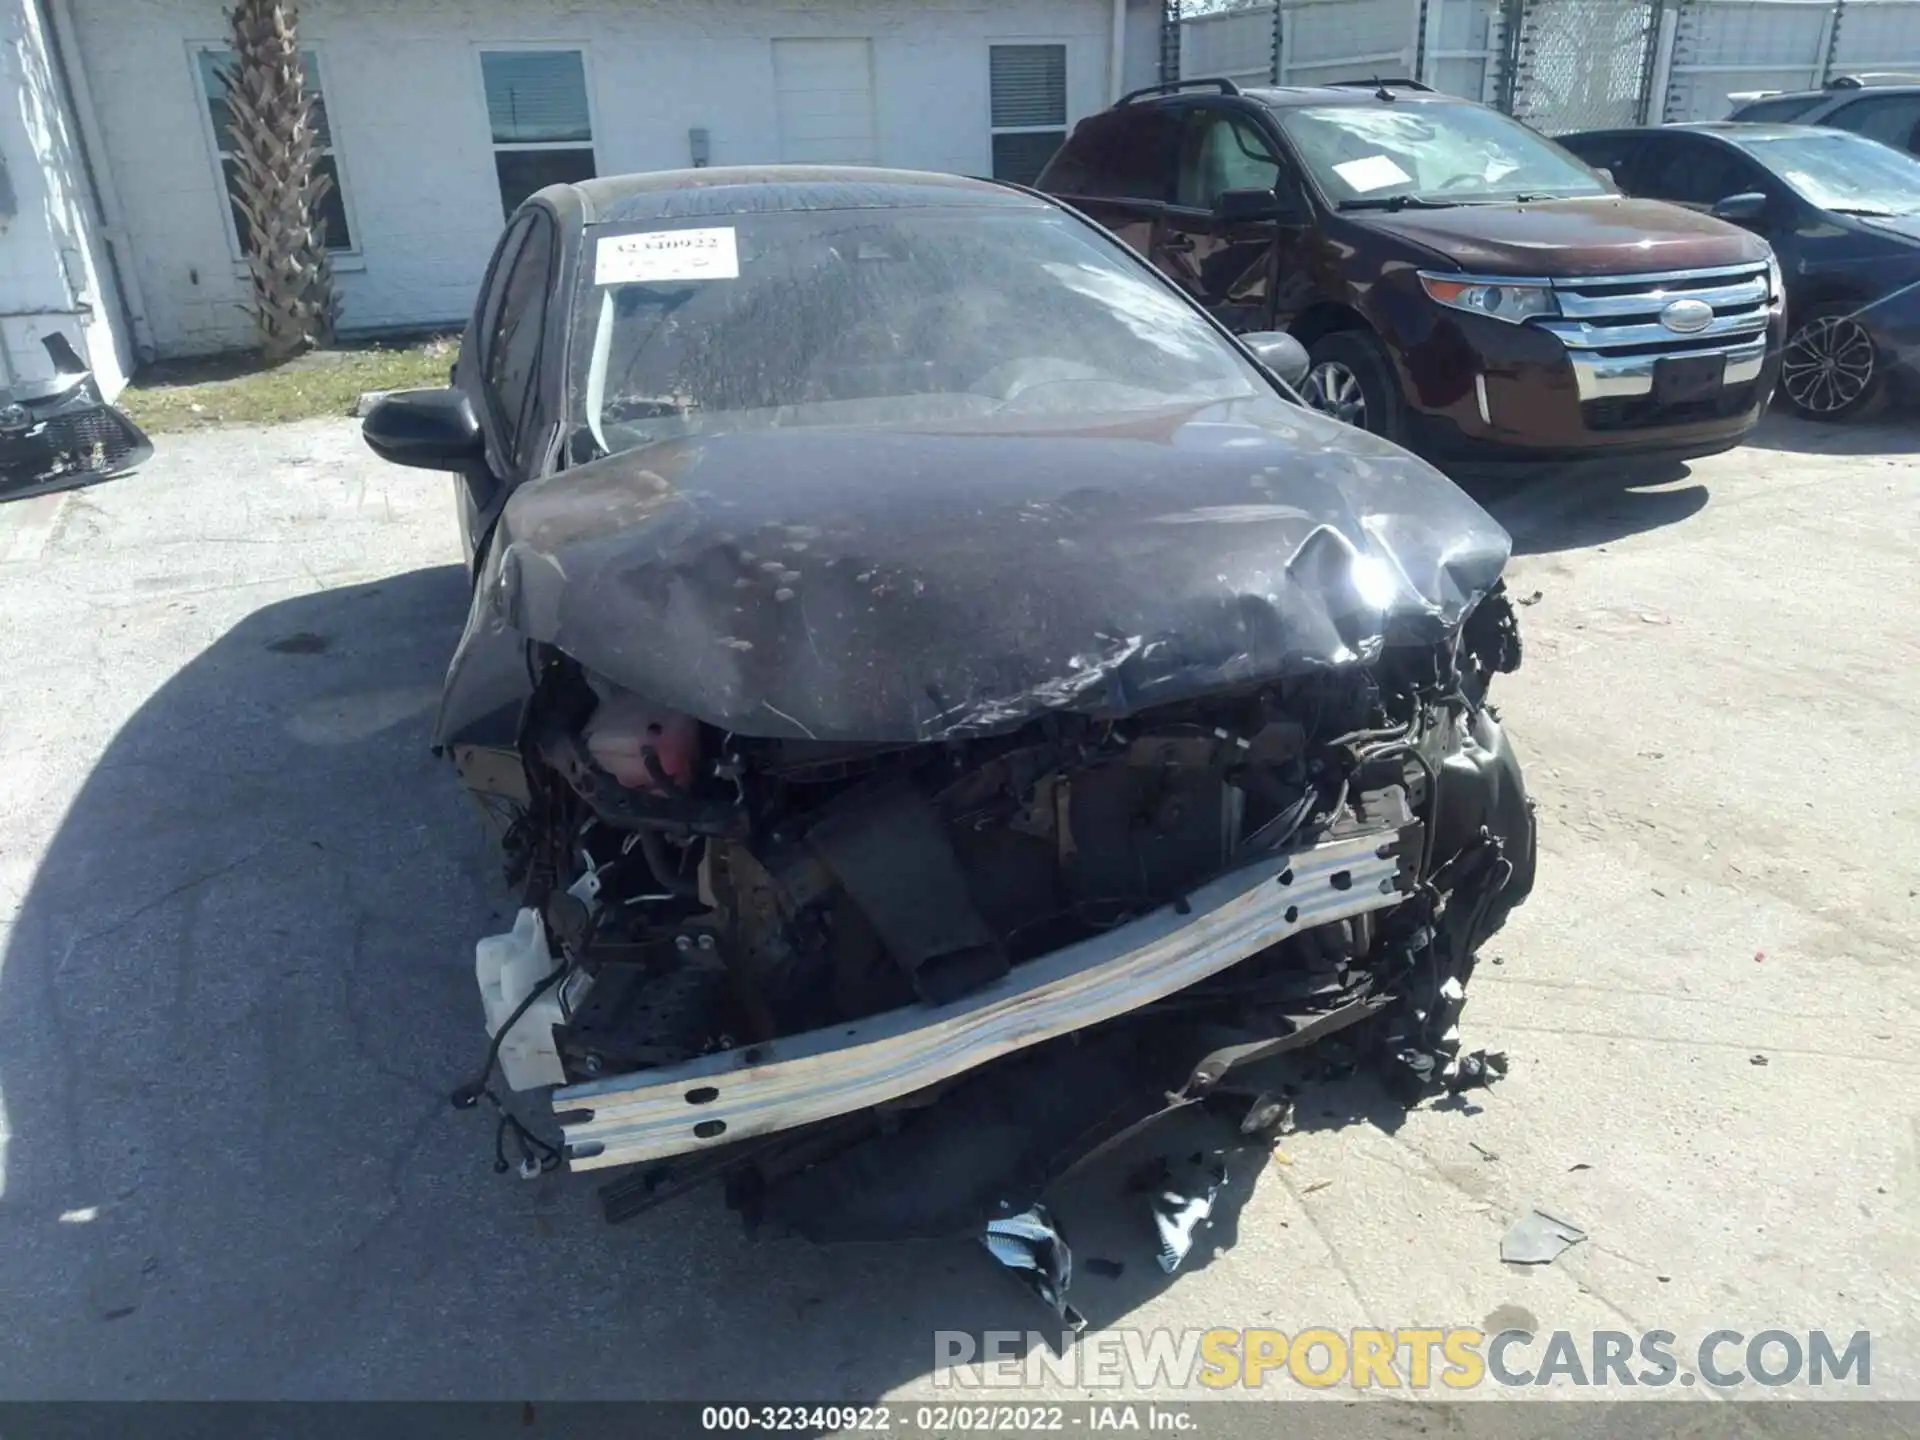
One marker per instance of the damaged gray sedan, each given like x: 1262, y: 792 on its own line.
x: 941, y: 699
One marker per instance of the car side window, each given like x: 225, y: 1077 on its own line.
x: 514, y: 335
x: 1615, y: 154
x: 1125, y: 154
x: 1219, y: 153
x: 1693, y: 172
x: 1891, y: 119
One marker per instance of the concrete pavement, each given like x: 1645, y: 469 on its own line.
x: 240, y: 900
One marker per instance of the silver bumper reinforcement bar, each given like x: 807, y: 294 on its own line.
x: 798, y: 1079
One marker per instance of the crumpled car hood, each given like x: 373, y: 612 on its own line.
x: 922, y: 582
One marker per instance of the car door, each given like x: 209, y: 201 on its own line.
x: 500, y: 370
x: 1233, y: 267
x: 1891, y: 119
x: 1117, y: 168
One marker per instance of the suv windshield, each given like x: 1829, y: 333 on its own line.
x: 863, y: 317
x: 1438, y: 154
x: 1840, y: 171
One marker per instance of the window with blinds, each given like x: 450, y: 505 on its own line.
x: 1028, y: 89
x: 213, y: 67
x: 537, y: 110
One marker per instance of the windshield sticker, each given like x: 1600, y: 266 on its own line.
x: 666, y: 255
x: 1376, y: 172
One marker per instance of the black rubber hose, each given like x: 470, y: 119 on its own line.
x: 687, y: 887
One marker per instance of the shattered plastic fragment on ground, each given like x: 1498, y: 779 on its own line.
x: 1538, y: 1238
x: 1028, y: 1245
x: 1181, y: 1204
x: 1475, y: 1069
x: 1268, y: 1115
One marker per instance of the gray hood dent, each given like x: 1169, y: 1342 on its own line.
x: 926, y: 582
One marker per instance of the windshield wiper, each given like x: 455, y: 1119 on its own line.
x: 1397, y: 202
x: 1855, y: 210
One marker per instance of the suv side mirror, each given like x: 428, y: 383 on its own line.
x: 1280, y: 353
x: 1741, y: 209
x: 1239, y: 206
x: 431, y: 429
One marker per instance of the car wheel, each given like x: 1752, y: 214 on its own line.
x: 1831, y: 369
x: 1351, y: 378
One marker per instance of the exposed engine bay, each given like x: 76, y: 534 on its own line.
x: 816, y: 967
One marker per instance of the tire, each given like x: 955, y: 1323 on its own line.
x: 1351, y: 377
x: 1831, y: 369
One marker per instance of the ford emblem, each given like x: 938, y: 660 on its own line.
x: 1687, y: 317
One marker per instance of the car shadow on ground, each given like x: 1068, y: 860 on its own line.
x: 236, y: 997
x: 1574, y: 506
x: 1895, y: 431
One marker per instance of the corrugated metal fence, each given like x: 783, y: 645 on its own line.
x: 1560, y: 65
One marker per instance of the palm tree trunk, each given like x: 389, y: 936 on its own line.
x: 279, y: 185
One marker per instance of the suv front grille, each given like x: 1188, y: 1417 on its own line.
x: 1640, y: 412
x: 1615, y: 338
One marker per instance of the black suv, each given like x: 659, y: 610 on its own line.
x: 1887, y: 113
x: 1463, y: 285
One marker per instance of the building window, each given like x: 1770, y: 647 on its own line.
x: 537, y: 106
x: 213, y: 66
x: 1029, y: 108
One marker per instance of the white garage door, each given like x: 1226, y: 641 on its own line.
x: 824, y: 93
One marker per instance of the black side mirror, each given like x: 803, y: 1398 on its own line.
x: 1280, y: 353
x: 1239, y: 206
x: 1741, y: 209
x: 433, y: 429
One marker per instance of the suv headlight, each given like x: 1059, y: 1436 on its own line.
x: 1496, y: 298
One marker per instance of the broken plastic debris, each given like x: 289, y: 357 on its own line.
x: 1269, y: 1114
x: 1181, y: 1205
x: 1036, y: 1252
x: 1538, y: 1238
x: 1477, y: 1068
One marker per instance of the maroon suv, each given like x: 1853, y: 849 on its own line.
x: 1462, y: 285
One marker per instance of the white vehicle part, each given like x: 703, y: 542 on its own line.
x: 798, y: 1079
x: 507, y: 967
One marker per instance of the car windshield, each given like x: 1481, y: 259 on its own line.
x: 1839, y: 171
x: 1390, y: 155
x: 880, y: 316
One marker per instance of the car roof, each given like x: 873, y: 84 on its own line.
x: 757, y: 189
x: 1731, y: 130
x: 1831, y: 92
x: 1283, y: 97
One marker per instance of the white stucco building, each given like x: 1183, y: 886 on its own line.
x: 441, y: 114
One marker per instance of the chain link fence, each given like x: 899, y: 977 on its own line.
x: 1559, y: 65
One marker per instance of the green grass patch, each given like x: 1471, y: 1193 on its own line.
x: 236, y: 389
